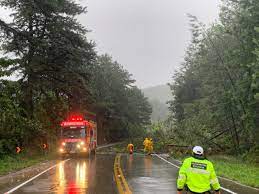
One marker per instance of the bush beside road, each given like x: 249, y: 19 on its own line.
x: 14, y: 163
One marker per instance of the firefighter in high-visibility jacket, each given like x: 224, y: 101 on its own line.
x: 145, y: 144
x: 197, y: 174
x: 150, y: 146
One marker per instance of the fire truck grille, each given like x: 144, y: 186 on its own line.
x: 70, y: 146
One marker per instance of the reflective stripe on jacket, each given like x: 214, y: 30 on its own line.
x: 198, y: 174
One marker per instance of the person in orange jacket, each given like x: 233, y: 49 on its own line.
x: 130, y: 148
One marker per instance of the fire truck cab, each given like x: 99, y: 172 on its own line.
x: 78, y: 136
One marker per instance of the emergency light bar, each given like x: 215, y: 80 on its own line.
x: 76, y: 118
x: 74, y: 123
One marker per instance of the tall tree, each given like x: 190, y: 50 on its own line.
x: 215, y: 91
x: 118, y: 103
x: 49, y: 47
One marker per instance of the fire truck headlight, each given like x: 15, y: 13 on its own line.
x: 82, y: 143
x: 61, y: 150
x: 63, y: 143
x: 78, y: 146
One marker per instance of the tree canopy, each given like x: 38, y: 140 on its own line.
x: 59, y: 72
x: 216, y: 90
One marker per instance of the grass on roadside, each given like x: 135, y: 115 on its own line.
x: 236, y: 169
x: 17, y: 162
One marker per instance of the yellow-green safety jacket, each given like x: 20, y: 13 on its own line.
x: 198, y: 175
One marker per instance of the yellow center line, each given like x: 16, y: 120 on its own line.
x: 121, y: 182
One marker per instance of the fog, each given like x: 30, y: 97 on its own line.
x: 148, y: 37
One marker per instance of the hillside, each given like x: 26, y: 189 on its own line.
x: 161, y: 93
x: 158, y: 96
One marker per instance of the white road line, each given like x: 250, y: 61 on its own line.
x: 225, y: 189
x: 238, y: 183
x: 231, y: 192
x: 166, y: 161
x: 24, y: 183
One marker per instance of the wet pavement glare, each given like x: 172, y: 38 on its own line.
x: 148, y: 174
x: 92, y: 175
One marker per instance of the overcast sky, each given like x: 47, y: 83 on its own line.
x: 148, y: 37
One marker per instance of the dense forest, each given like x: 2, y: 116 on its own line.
x: 60, y: 72
x: 216, y: 91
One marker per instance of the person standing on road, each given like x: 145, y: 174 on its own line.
x: 145, y: 144
x: 197, y: 174
x: 150, y: 146
x: 130, y: 148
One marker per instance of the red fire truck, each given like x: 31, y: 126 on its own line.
x: 78, y: 136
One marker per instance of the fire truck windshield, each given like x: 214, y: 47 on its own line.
x: 73, y: 132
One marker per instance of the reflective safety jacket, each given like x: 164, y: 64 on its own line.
x: 130, y: 147
x: 198, y: 174
x: 145, y: 142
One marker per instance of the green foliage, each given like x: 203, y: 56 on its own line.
x: 215, y: 93
x: 236, y: 169
x: 17, y: 162
x: 15, y: 129
x: 59, y: 73
x: 50, y: 49
x: 123, y: 107
x: 7, y: 66
x: 161, y: 134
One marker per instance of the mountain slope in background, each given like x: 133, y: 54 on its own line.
x: 158, y: 96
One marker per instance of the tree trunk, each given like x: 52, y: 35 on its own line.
x: 236, y: 137
x: 28, y: 98
x: 100, y: 129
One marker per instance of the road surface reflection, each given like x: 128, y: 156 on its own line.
x: 77, y: 175
x: 74, y: 182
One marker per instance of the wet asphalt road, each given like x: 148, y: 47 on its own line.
x: 94, y: 175
x: 149, y: 174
